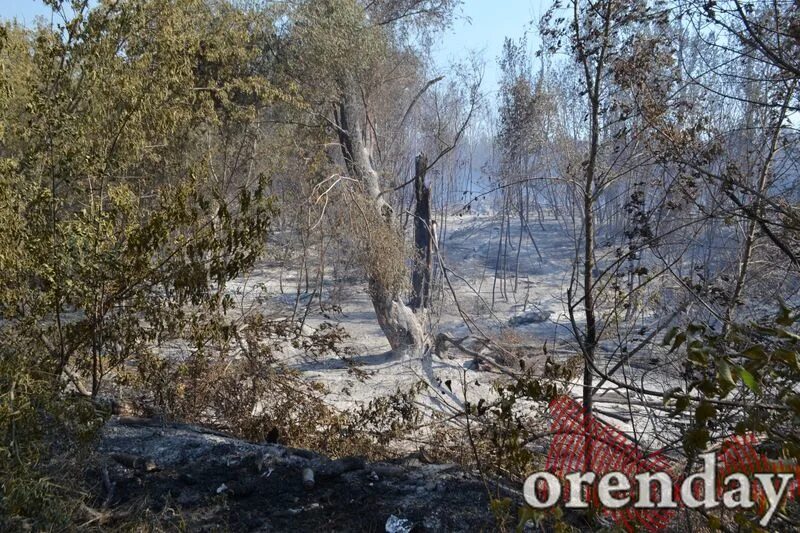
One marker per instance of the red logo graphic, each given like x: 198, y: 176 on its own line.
x: 577, y: 436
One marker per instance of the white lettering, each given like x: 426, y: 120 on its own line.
x: 576, y: 482
x: 774, y: 497
x: 708, y: 476
x: 553, y: 490
x: 741, y: 492
x: 644, y: 482
x: 605, y: 489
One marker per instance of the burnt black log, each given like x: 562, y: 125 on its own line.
x: 421, y: 274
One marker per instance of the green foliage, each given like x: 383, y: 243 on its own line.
x: 124, y: 213
x: 334, y: 44
x: 744, y: 382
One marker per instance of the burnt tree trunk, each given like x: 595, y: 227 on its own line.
x: 421, y: 275
x: 398, y: 322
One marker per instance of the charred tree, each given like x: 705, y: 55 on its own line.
x: 421, y: 275
x: 398, y: 322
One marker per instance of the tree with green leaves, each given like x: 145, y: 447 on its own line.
x: 131, y: 190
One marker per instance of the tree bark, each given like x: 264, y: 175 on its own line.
x: 421, y: 275
x: 593, y: 77
x: 398, y: 322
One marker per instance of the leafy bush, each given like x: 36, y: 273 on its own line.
x: 123, y: 216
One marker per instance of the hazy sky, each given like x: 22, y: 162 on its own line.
x: 481, y: 27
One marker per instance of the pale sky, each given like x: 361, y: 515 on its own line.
x: 481, y: 27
